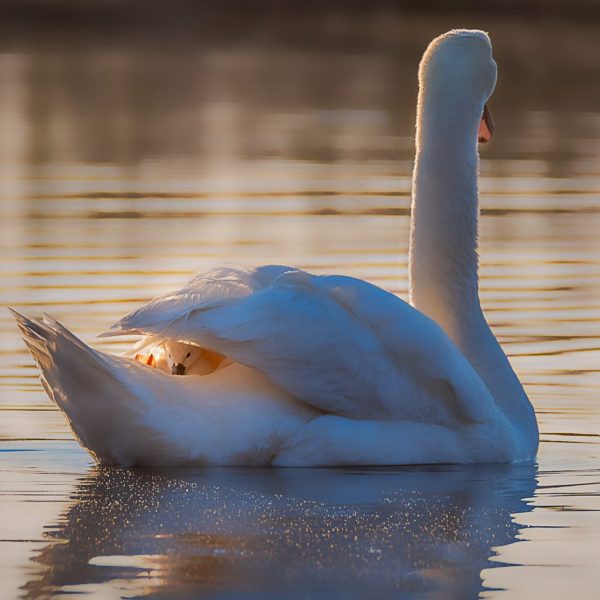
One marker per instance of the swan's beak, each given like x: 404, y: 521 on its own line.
x: 178, y: 369
x: 486, y: 126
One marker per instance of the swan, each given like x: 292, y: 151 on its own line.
x: 323, y: 370
x: 179, y: 358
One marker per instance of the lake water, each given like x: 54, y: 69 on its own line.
x: 129, y: 162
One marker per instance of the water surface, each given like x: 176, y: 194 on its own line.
x: 129, y: 164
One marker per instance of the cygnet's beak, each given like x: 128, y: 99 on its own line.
x: 486, y: 126
x: 178, y: 369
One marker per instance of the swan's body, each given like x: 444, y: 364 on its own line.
x: 326, y: 370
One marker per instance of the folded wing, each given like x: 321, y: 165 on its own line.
x: 340, y: 344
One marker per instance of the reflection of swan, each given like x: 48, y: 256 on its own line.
x: 283, y: 533
x: 394, y: 386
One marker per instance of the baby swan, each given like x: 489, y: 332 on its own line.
x: 179, y: 358
x: 188, y: 359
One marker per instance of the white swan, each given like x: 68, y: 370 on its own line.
x: 326, y: 370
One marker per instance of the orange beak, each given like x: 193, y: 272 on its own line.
x: 486, y: 126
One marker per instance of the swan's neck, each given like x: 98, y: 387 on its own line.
x: 443, y: 251
x: 443, y: 248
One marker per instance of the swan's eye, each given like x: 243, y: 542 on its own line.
x: 188, y: 354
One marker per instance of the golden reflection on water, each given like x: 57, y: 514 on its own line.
x: 124, y: 170
x: 424, y: 531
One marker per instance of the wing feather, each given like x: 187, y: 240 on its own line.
x: 337, y: 343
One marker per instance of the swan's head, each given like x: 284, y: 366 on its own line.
x: 457, y: 75
x: 181, y: 357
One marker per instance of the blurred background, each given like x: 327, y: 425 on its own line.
x: 123, y: 83
x: 143, y: 141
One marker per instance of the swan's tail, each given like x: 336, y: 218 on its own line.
x: 90, y: 388
x: 129, y: 414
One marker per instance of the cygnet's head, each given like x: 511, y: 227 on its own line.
x: 181, y: 357
x: 457, y: 75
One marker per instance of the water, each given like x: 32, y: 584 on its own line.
x: 132, y: 162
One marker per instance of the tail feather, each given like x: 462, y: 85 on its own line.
x: 37, y: 337
x: 87, y: 385
x: 126, y: 413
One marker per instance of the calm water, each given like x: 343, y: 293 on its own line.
x: 128, y: 164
